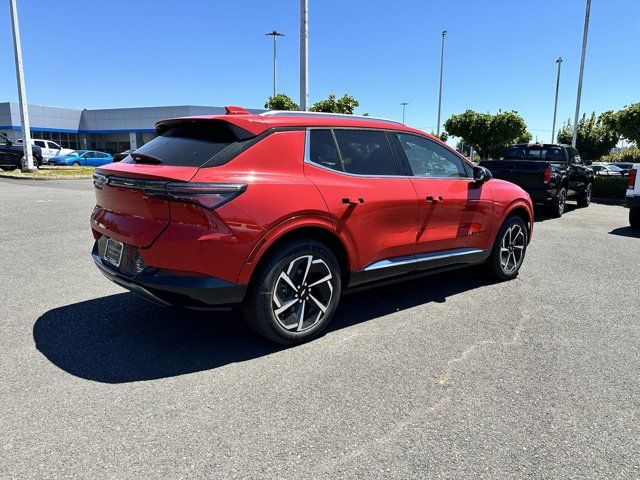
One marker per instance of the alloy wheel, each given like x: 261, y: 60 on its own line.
x: 302, y: 293
x: 562, y: 200
x: 512, y: 248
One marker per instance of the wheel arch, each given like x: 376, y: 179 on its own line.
x: 523, y: 211
x: 318, y: 229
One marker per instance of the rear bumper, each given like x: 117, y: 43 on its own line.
x: 632, y: 202
x: 541, y: 195
x: 167, y: 289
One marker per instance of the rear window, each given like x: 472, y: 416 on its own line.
x: 524, y: 152
x: 191, y: 143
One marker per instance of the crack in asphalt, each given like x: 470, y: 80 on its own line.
x: 442, y: 380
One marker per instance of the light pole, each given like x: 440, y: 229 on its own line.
x: 555, y: 104
x: 584, y: 52
x: 27, y: 166
x: 404, y: 106
x: 275, y: 34
x: 304, y: 54
x: 444, y: 33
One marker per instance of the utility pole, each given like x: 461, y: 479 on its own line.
x: 27, y: 165
x: 404, y: 106
x: 275, y: 34
x: 584, y: 52
x: 444, y: 33
x: 304, y: 54
x: 555, y: 105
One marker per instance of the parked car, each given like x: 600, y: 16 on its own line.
x: 282, y: 211
x: 624, y: 166
x: 11, y: 154
x: 606, y: 169
x: 48, y: 148
x: 85, y: 158
x: 122, y: 155
x: 632, y: 199
x: 549, y: 173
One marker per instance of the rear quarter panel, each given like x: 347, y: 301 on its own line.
x: 507, y: 197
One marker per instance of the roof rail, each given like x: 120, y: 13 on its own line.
x: 297, y: 113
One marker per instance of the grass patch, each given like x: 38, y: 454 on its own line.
x: 53, y: 172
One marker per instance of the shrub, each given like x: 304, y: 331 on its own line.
x: 610, y: 187
x: 627, y: 155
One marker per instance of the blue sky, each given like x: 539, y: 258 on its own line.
x: 500, y: 54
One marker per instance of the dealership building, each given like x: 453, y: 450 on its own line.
x: 108, y: 130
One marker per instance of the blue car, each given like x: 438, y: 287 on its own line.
x: 85, y: 158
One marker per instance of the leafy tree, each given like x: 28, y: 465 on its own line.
x: 596, y: 136
x: 347, y: 104
x: 280, y: 101
x: 488, y: 134
x: 626, y: 122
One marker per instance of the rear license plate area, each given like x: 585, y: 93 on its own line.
x: 113, y: 252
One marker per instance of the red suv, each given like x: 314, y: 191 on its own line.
x: 282, y: 211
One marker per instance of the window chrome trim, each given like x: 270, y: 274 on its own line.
x: 424, y: 257
x: 307, y: 156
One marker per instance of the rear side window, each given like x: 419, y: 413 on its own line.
x: 322, y: 149
x: 191, y: 143
x: 365, y: 152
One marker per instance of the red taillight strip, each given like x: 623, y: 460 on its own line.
x: 631, y: 182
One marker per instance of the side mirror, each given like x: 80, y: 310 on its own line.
x: 481, y: 174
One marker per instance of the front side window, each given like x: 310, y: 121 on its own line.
x: 365, y: 152
x: 40, y: 143
x: 54, y: 146
x: 428, y: 159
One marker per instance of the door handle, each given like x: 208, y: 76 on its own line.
x: 432, y: 199
x: 352, y: 201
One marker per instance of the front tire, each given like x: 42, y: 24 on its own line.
x: 509, y: 249
x: 75, y: 164
x: 585, y: 197
x: 556, y: 209
x: 634, y: 218
x: 294, y: 295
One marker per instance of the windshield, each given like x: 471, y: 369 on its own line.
x: 534, y: 152
x: 76, y: 153
x: 613, y: 168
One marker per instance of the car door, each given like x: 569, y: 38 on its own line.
x: 54, y: 149
x: 44, y: 150
x: 370, y: 200
x: 577, y: 170
x: 454, y: 212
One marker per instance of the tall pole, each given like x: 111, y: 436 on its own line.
x: 584, y: 52
x: 555, y: 104
x: 444, y: 33
x: 27, y: 165
x: 404, y: 106
x: 275, y: 34
x: 304, y: 54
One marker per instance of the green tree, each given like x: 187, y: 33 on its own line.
x: 488, y: 134
x: 347, y: 104
x: 280, y: 101
x: 596, y: 136
x: 626, y: 122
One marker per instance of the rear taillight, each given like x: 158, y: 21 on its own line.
x: 547, y: 175
x: 207, y: 195
x: 631, y: 182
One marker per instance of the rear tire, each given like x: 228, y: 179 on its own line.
x: 509, y: 249
x: 585, y: 197
x: 293, y: 296
x: 75, y: 164
x: 556, y: 209
x: 634, y: 218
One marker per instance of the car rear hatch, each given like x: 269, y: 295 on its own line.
x: 133, y: 196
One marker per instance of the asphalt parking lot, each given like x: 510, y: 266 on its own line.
x: 451, y: 376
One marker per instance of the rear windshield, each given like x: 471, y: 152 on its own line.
x: 524, y: 152
x: 190, y: 143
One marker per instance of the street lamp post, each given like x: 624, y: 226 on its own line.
x: 444, y: 33
x: 275, y: 34
x: 304, y: 54
x: 27, y: 165
x: 584, y: 52
x: 404, y: 106
x: 555, y: 104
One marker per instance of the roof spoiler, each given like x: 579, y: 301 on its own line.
x: 233, y: 110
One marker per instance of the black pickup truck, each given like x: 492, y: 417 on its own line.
x: 549, y: 173
x: 11, y: 154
